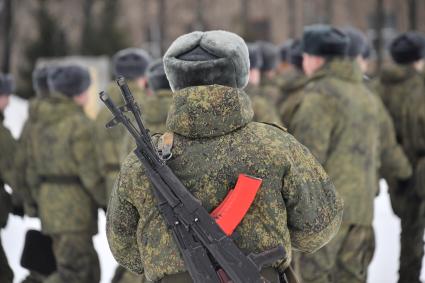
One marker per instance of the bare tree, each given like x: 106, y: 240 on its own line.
x: 7, y: 35
x: 291, y: 15
x: 379, y: 26
x: 412, y: 4
x: 329, y: 8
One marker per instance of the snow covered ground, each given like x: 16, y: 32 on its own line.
x: 387, y: 227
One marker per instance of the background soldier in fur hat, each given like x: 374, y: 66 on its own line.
x: 292, y: 90
x: 7, y: 151
x: 156, y: 103
x: 402, y: 90
x: 269, y: 82
x: 130, y: 63
x: 338, y: 122
x: 264, y: 110
x: 214, y: 141
x: 69, y: 186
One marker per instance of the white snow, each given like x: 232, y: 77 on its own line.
x: 383, y: 268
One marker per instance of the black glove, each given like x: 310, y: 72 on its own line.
x: 18, y: 210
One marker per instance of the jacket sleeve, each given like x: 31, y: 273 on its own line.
x: 394, y: 163
x: 313, y: 206
x: 314, y: 123
x: 83, y: 147
x: 121, y: 222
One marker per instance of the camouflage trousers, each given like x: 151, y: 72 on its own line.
x: 6, y: 273
x: 411, y: 210
x: 345, y: 259
x: 76, y: 259
x: 122, y: 275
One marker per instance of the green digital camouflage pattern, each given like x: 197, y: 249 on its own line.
x: 23, y: 158
x: 338, y: 121
x: 291, y: 96
x: 109, y: 142
x: 7, y: 174
x: 214, y: 142
x: 269, y: 88
x: 7, y: 151
x: 76, y: 259
x: 154, y: 114
x: 63, y: 145
x: 395, y: 84
x: 264, y: 109
x: 122, y: 275
x: 408, y: 198
x: 344, y: 260
x: 394, y: 164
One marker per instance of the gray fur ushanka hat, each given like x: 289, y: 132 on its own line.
x: 130, y: 63
x: 70, y: 80
x: 207, y: 58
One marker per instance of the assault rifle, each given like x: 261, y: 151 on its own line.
x: 210, y: 256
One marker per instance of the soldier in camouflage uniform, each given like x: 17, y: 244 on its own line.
x: 402, y: 90
x: 394, y: 164
x: 22, y: 158
x: 214, y: 141
x: 68, y: 185
x: 284, y: 63
x: 292, y: 91
x: 264, y: 110
x: 7, y: 151
x: 156, y: 103
x: 130, y: 63
x: 269, y: 83
x: 338, y: 121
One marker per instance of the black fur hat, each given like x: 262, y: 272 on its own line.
x: 284, y: 50
x: 255, y: 58
x: 357, y: 43
x: 295, y: 54
x: 270, y: 54
x: 325, y: 41
x: 7, y: 84
x: 156, y: 76
x: 70, y: 80
x: 130, y: 63
x: 408, y: 48
x: 206, y: 58
x: 39, y: 79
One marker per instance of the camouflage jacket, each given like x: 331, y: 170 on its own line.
x: 394, y: 164
x: 394, y: 86
x: 214, y: 141
x: 338, y: 121
x: 269, y: 88
x: 154, y: 114
x: 264, y: 109
x: 23, y: 158
x: 413, y: 132
x: 64, y: 172
x: 291, y: 97
x: 7, y: 151
x: 110, y: 141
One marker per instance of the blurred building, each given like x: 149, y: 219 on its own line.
x: 154, y: 24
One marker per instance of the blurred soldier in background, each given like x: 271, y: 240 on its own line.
x: 269, y: 79
x: 7, y: 174
x: 394, y: 164
x: 292, y: 91
x: 264, y: 110
x: 69, y: 187
x: 402, y: 91
x: 22, y: 161
x: 338, y: 122
x: 284, y: 61
x: 130, y: 63
x: 22, y: 158
x: 156, y: 103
